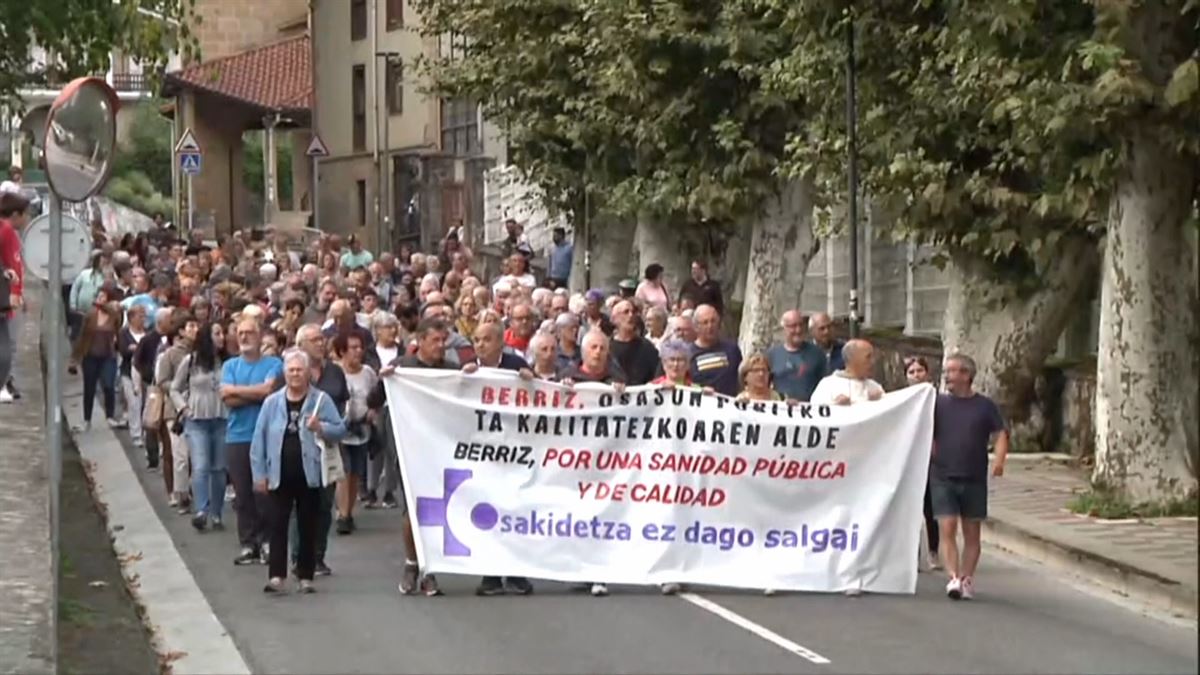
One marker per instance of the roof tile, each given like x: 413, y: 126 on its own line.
x: 276, y: 76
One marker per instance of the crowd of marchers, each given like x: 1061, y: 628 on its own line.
x: 234, y: 363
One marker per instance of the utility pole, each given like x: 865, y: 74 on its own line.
x: 852, y: 171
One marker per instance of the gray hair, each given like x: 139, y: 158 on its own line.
x: 296, y: 354
x: 162, y: 316
x: 594, y: 335
x: 539, y: 338
x: 852, y: 347
x: 963, y: 360
x: 674, y: 348
x: 304, y: 331
x: 384, y: 320
x: 566, y: 320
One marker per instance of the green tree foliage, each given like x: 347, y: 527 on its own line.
x: 656, y: 107
x: 82, y: 35
x: 996, y: 127
x: 252, y: 165
x: 147, y: 148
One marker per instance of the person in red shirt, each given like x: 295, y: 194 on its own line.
x: 13, y: 208
x: 521, y: 329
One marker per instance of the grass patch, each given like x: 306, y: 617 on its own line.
x: 75, y: 612
x: 1101, y: 501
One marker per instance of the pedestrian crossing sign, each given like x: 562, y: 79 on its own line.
x: 189, y: 163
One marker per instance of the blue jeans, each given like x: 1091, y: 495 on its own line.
x: 206, y: 442
x: 102, y: 371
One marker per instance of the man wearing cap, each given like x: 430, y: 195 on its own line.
x: 593, y: 316
x: 13, y: 209
x: 357, y: 256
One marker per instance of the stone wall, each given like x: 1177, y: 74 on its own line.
x: 227, y: 27
x: 1062, y: 416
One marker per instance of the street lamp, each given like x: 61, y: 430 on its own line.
x: 382, y: 189
x: 852, y: 171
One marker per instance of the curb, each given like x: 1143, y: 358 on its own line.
x: 187, y: 634
x: 1152, y: 591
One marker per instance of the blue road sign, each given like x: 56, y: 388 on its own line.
x: 189, y: 163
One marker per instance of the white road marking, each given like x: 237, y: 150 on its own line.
x: 761, y: 631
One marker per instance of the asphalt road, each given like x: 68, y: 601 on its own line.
x: 1024, y: 620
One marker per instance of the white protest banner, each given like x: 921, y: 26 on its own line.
x: 513, y: 478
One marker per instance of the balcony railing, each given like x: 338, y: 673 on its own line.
x: 130, y: 82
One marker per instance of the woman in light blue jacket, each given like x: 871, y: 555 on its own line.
x: 285, y: 460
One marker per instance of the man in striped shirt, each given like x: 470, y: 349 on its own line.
x: 715, y: 361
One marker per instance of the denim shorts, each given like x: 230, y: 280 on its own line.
x: 959, y: 497
x: 354, y: 461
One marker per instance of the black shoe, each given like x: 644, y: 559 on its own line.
x: 518, y: 585
x: 353, y: 525
x: 343, y: 526
x: 321, y: 569
x: 248, y: 556
x: 490, y: 586
x: 12, y: 389
x: 200, y: 521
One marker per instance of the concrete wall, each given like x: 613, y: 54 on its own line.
x: 219, y: 192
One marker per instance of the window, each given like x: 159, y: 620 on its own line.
x: 395, y: 14
x: 460, y: 127
x: 395, y: 86
x: 360, y: 202
x: 358, y: 96
x: 358, y: 19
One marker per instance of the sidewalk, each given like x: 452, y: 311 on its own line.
x: 1153, y: 562
x: 27, y: 608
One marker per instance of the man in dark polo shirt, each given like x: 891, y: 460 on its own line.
x: 490, y: 353
x: 964, y: 423
x: 702, y: 289
x: 431, y: 337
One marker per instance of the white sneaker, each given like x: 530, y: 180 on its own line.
x: 114, y: 423
x: 769, y: 592
x: 852, y: 592
x: 954, y: 588
x: 172, y: 500
x: 599, y: 590
x: 968, y: 588
x: 670, y: 588
x: 5, y: 395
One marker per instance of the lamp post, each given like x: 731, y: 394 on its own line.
x: 852, y: 171
x: 384, y: 185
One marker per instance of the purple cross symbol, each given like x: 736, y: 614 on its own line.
x: 431, y: 511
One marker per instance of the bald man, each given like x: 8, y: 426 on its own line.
x: 852, y: 384
x: 715, y: 361
x: 797, y: 365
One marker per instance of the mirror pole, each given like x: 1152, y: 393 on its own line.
x: 53, y: 306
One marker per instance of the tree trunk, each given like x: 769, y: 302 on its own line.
x: 1149, y: 351
x: 781, y: 246
x: 672, y: 245
x: 1010, y: 337
x: 610, y: 252
x: 675, y: 244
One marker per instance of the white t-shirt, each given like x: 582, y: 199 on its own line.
x: 841, y: 383
x: 360, y: 385
x: 386, y: 354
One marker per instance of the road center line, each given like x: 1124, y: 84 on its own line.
x: 761, y: 631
